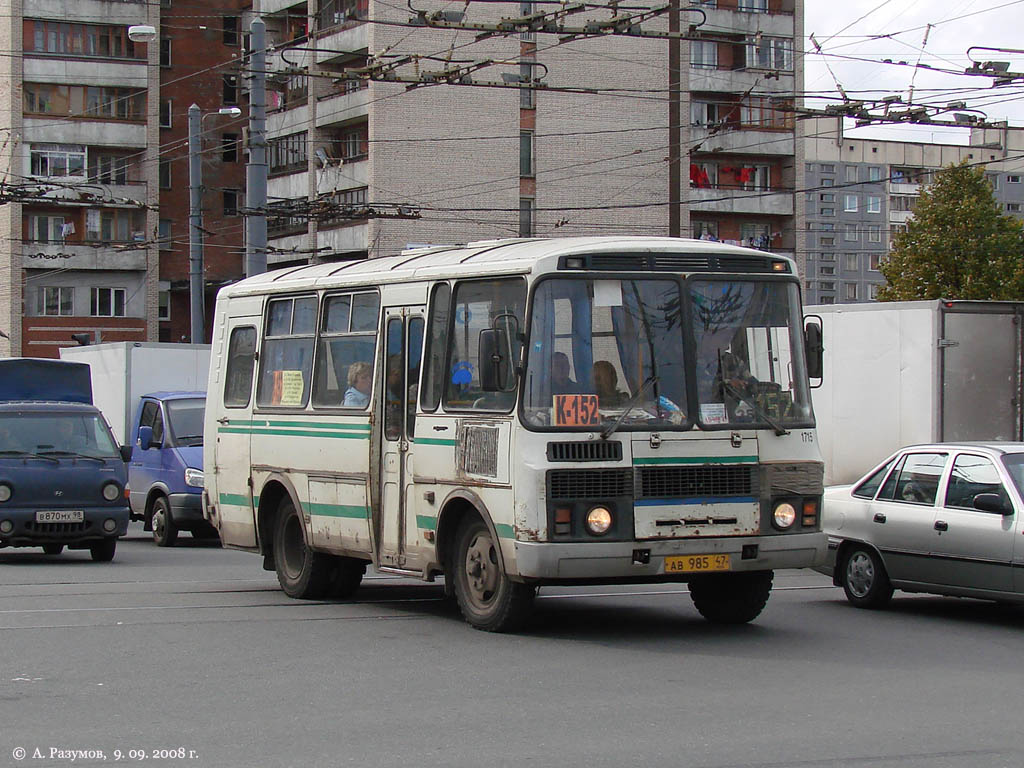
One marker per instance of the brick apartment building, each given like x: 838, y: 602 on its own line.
x: 861, y: 192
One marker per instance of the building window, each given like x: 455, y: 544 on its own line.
x: 287, y: 153
x: 874, y: 204
x: 56, y: 301
x: 703, y: 113
x: 526, y: 167
x: 110, y: 169
x: 827, y: 197
x: 827, y: 182
x: 63, y: 160
x: 873, y: 291
x: 770, y: 53
x: 231, y: 197
x: 78, y: 39
x: 850, y: 203
x: 851, y: 173
x: 165, y: 51
x: 993, y: 179
x: 355, y: 145
x: 850, y: 262
x: 850, y: 233
x: 828, y: 257
x: 851, y: 291
x: 826, y: 270
x: 88, y: 101
x: 828, y: 168
x: 164, y: 235
x: 115, y: 226
x: 163, y: 305
x: 827, y: 241
x: 231, y: 25
x: 1013, y: 178
x: 1013, y: 207
x: 107, y: 302
x: 874, y: 173
x: 874, y: 233
x: 229, y: 147
x: 828, y: 227
x: 703, y: 53
x: 165, y: 174
x: 527, y: 95
x: 828, y: 211
x: 753, y: 6
x: 828, y: 286
x: 230, y: 91
x: 526, y: 217
x: 45, y: 229
x: 165, y: 114
x: 875, y: 262
x: 705, y: 230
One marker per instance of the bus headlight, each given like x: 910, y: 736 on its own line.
x: 5, y: 492
x: 194, y: 477
x: 599, y: 520
x: 784, y: 515
x: 111, y: 491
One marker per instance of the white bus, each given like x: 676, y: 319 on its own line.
x: 514, y: 413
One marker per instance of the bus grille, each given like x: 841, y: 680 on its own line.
x: 690, y: 482
x: 585, y: 450
x: 589, y: 483
x: 58, y: 529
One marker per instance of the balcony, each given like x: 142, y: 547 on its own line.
x: 352, y: 36
x: 268, y: 7
x: 776, y: 24
x: 91, y: 132
x: 900, y: 217
x: 745, y: 142
x: 81, y: 256
x: 342, y: 107
x: 898, y: 188
x: 344, y: 239
x: 710, y: 79
x: 107, y: 72
x: 287, y: 122
x: 124, y: 12
x: 758, y: 202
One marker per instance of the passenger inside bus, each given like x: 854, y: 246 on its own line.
x: 606, y: 382
x: 360, y: 380
x: 561, y: 382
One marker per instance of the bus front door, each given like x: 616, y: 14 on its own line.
x: 403, y: 349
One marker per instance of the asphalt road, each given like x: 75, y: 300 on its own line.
x: 195, y: 650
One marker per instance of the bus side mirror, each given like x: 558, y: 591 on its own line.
x: 813, y: 347
x: 145, y: 438
x: 494, y: 362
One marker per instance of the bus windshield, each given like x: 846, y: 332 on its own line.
x: 750, y: 369
x: 606, y: 351
x: 613, y: 352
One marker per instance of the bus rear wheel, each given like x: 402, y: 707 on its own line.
x: 488, y: 598
x: 301, y: 572
x: 731, y: 598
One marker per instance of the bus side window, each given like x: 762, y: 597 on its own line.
x: 343, y: 373
x: 241, y: 357
x: 286, y: 362
x: 437, y: 335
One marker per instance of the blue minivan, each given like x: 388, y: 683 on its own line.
x: 166, y: 468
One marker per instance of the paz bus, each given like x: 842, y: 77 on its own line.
x: 517, y: 413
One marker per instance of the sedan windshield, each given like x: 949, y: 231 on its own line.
x: 605, y: 352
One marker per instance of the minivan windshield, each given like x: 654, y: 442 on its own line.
x: 54, y: 433
x: 186, y: 419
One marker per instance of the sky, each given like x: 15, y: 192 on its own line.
x: 848, y: 32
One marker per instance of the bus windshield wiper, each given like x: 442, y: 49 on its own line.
x: 779, y: 429
x: 29, y: 455
x: 74, y: 455
x: 610, y: 429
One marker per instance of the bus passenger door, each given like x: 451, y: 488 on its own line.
x: 403, y: 349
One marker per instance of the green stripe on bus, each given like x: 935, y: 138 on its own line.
x: 697, y: 460
x: 426, y: 523
x: 234, y: 499
x: 436, y: 441
x: 295, y: 432
x: 316, y: 424
x: 504, y: 531
x: 353, y: 511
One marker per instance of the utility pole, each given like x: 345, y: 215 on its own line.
x: 675, y: 176
x: 256, y: 168
x: 195, y: 225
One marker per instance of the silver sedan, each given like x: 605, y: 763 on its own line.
x: 944, y: 518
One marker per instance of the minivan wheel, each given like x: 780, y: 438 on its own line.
x: 165, y: 532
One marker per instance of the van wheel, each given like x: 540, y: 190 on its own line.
x: 488, y: 598
x: 103, y: 551
x: 165, y: 532
x: 302, y: 573
x: 864, y: 579
x: 53, y: 549
x: 731, y: 598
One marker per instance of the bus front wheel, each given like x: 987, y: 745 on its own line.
x: 731, y: 598
x: 488, y: 598
x: 301, y: 572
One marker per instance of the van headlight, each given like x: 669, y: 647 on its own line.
x: 194, y: 477
x: 5, y: 492
x: 111, y: 491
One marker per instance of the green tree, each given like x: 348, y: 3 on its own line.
x: 958, y: 245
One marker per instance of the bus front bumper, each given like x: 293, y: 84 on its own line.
x: 639, y: 561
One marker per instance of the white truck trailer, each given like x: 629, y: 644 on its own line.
x: 915, y: 372
x: 124, y: 371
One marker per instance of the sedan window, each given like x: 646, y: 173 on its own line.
x: 867, y: 489
x: 970, y: 476
x: 918, y: 481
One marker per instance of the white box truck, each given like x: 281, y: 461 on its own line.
x: 154, y: 396
x: 901, y: 373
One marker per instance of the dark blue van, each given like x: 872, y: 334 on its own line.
x: 62, y: 475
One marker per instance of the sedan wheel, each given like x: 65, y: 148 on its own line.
x: 864, y: 579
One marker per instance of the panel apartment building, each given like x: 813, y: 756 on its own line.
x: 360, y: 168
x: 860, y: 192
x: 94, y: 162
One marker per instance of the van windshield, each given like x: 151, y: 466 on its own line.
x: 186, y: 419
x: 49, y: 433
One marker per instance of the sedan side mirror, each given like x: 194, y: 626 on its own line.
x: 993, y: 502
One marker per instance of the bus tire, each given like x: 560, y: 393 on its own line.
x: 53, y: 549
x: 346, y: 575
x: 488, y: 598
x: 731, y: 598
x: 165, y: 532
x: 103, y: 551
x: 301, y: 572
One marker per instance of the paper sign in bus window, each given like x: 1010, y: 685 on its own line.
x: 576, y: 411
x: 288, y: 388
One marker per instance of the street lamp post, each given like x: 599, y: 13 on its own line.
x: 195, y: 217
